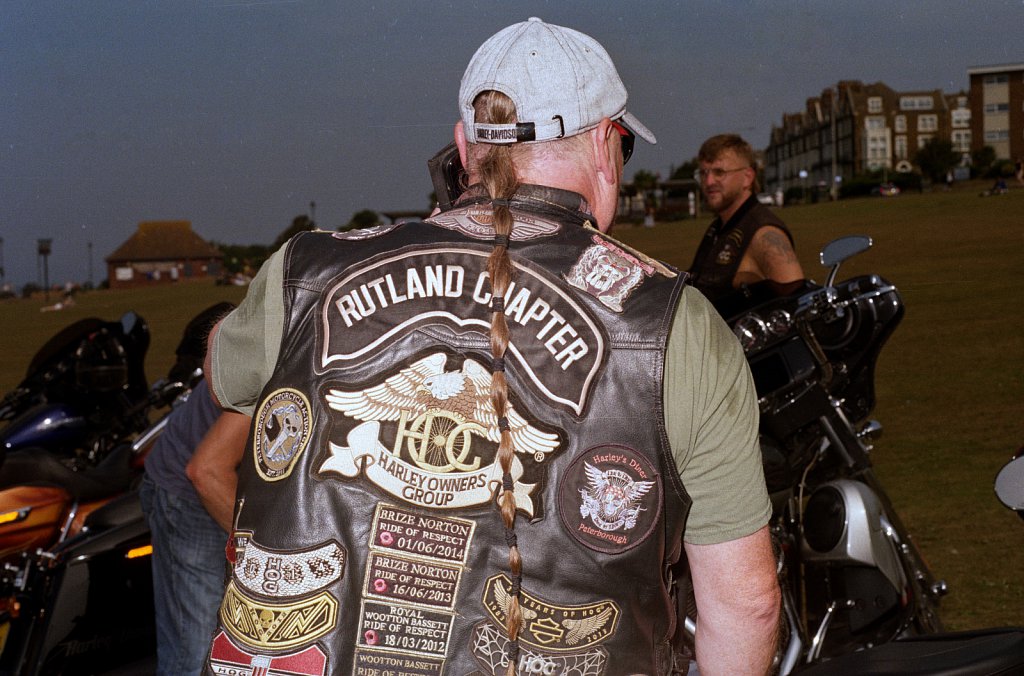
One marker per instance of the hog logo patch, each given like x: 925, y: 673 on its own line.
x: 610, y: 498
x: 443, y: 436
x: 282, y: 433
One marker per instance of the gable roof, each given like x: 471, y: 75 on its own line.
x: 164, y: 240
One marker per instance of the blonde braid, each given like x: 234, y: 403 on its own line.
x: 498, y: 175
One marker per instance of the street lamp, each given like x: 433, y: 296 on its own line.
x: 44, y: 253
x: 803, y: 178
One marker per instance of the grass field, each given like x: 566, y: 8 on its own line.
x: 950, y: 382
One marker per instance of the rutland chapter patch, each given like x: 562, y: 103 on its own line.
x: 282, y: 433
x: 610, y: 498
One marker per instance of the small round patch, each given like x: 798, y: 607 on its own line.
x: 610, y: 498
x: 282, y: 433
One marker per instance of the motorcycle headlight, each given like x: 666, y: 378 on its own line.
x: 779, y: 322
x: 752, y: 332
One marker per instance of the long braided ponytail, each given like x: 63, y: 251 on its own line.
x: 497, y: 174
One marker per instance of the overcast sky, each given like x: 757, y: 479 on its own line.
x: 237, y: 114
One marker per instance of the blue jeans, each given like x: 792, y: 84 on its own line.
x: 188, y: 578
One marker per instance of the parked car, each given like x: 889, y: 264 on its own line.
x: 886, y: 190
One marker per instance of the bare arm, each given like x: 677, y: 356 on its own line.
x: 770, y: 256
x: 737, y: 596
x: 212, y: 469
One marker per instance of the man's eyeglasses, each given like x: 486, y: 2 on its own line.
x: 628, y: 139
x: 717, y: 173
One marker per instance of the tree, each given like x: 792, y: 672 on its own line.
x: 645, y: 183
x: 936, y: 158
x: 982, y: 160
x: 301, y: 223
x: 686, y: 171
x: 361, y: 219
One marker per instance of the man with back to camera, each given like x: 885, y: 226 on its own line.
x: 445, y: 476
x: 746, y: 242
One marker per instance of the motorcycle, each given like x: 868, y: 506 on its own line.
x: 857, y: 595
x: 82, y: 600
x: 85, y: 390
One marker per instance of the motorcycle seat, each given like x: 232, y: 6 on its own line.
x: 37, y: 466
x: 988, y: 652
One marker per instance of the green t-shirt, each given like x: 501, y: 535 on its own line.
x: 710, y: 404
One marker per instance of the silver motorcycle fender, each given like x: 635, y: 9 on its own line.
x: 844, y: 522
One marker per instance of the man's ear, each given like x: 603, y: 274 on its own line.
x: 460, y: 141
x: 606, y: 151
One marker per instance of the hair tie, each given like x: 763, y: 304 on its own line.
x: 501, y: 203
x: 498, y: 365
x: 497, y: 303
x: 507, y: 482
x: 501, y: 240
x: 503, y: 426
x: 510, y: 538
x: 513, y: 652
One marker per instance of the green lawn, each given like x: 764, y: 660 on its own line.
x: 950, y: 382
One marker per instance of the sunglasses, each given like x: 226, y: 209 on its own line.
x: 628, y: 139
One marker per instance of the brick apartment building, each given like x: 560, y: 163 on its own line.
x: 997, y: 109
x: 854, y: 128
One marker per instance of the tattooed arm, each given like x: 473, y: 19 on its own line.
x: 770, y: 256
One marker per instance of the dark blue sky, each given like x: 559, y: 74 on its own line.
x: 237, y: 114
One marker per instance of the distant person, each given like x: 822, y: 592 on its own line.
x: 649, y: 218
x: 779, y: 197
x: 1019, y: 170
x: 746, y: 242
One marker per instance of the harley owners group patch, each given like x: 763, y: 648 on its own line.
x: 610, y: 498
x: 282, y: 433
x: 442, y: 435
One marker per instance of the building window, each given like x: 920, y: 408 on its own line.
x: 928, y: 123
x: 997, y: 135
x: 962, y: 117
x: 962, y: 141
x: 922, y: 140
x: 901, y: 148
x: 991, y: 108
x: 901, y: 123
x: 916, y: 103
x: 874, y: 123
x: 997, y: 79
x: 875, y: 104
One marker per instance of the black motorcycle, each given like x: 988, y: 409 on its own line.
x: 84, y: 391
x: 83, y: 603
x: 858, y: 598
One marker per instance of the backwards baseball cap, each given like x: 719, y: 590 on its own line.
x: 561, y: 81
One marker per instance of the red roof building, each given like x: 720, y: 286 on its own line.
x: 161, y: 252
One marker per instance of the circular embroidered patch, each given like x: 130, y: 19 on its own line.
x: 610, y: 498
x: 282, y: 433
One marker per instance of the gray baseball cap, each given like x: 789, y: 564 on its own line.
x: 561, y: 81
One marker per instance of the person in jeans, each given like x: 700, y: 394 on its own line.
x: 188, y: 543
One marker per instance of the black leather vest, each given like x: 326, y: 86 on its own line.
x: 720, y: 252
x: 369, y: 541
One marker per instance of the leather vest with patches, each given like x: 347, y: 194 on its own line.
x: 723, y: 246
x: 369, y: 541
